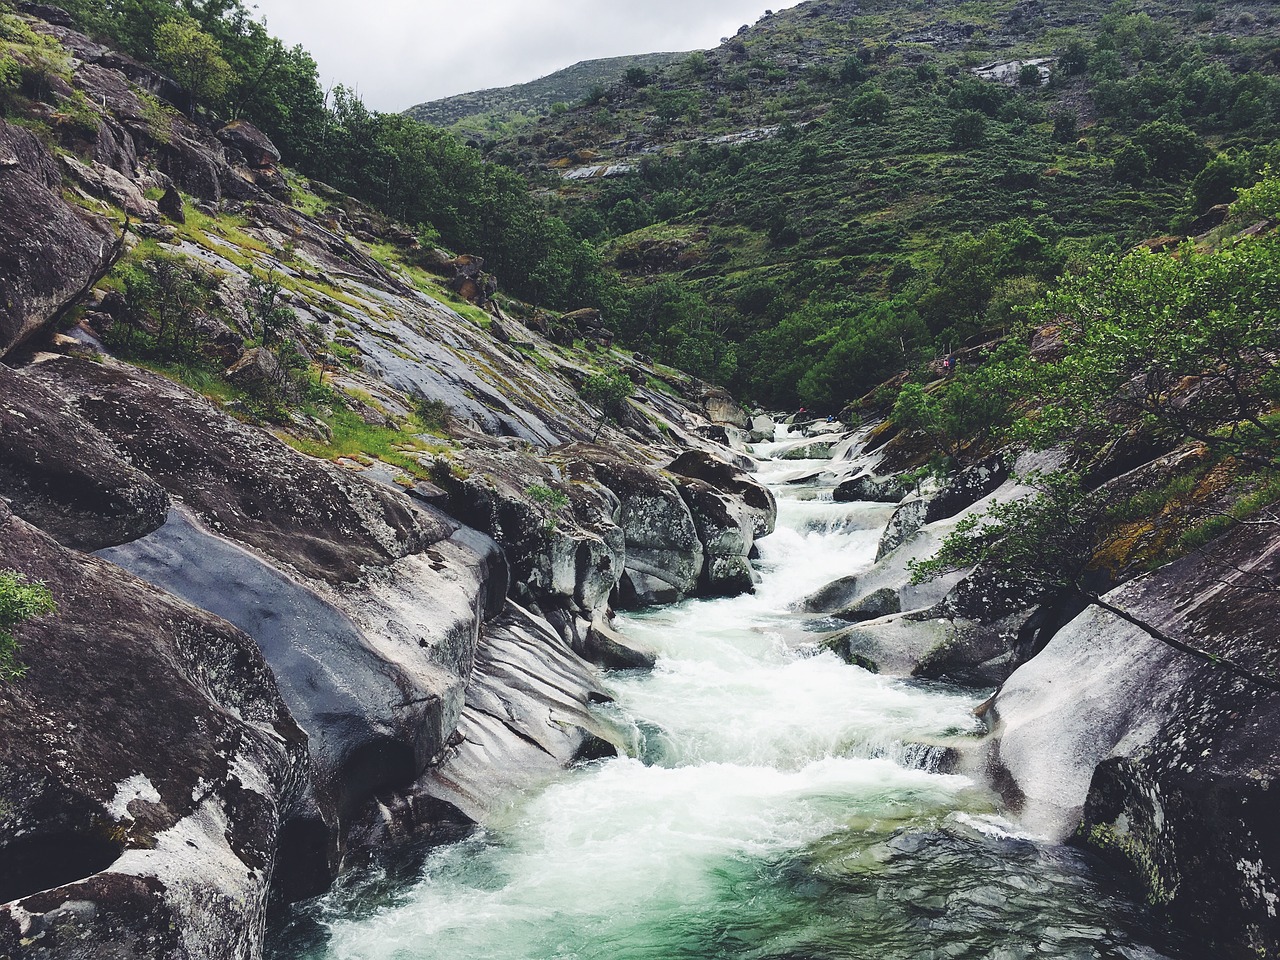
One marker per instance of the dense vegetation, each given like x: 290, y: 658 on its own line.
x: 1148, y: 351
x: 20, y: 601
x: 900, y: 204
x: 832, y: 197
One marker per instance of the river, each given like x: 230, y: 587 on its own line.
x: 776, y: 803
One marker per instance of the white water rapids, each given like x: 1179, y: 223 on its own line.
x: 770, y: 808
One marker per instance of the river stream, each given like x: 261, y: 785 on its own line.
x: 775, y: 803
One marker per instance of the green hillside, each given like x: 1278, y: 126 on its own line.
x: 486, y: 111
x: 847, y: 188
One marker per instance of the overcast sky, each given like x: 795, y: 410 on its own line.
x: 398, y: 53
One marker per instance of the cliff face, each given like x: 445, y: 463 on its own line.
x: 276, y: 660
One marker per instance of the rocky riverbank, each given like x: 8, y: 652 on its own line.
x: 1100, y: 734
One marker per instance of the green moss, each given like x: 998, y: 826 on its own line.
x: 356, y: 440
x: 1107, y: 838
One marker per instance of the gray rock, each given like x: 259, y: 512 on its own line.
x: 896, y: 645
x: 527, y: 716
x: 373, y: 672
x: 156, y: 830
x: 967, y: 487
x: 258, y: 371
x: 665, y: 556
x: 254, y: 145
x: 304, y: 513
x: 1163, y: 761
x: 101, y: 181
x: 906, y: 522
x: 870, y: 489
x: 880, y: 603
x: 836, y: 594
x: 62, y: 475
x: 34, y: 220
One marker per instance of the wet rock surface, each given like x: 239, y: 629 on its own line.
x: 665, y: 557
x: 1156, y: 757
x: 527, y: 716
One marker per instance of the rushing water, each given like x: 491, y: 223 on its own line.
x: 777, y: 803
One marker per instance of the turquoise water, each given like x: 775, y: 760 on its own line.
x: 776, y: 803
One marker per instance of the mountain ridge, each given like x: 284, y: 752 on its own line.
x: 569, y: 85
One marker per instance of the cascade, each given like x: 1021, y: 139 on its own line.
x: 775, y: 803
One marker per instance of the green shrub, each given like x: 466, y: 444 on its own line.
x: 20, y: 600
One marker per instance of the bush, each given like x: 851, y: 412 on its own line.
x: 1259, y: 202
x: 20, y: 601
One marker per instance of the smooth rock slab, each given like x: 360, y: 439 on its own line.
x: 147, y: 763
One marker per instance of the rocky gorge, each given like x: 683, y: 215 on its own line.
x: 265, y: 665
x: 277, y: 655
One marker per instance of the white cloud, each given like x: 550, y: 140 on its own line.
x: 398, y: 53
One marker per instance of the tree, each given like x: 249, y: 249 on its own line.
x: 195, y: 60
x: 1172, y: 148
x: 1066, y: 127
x: 869, y: 105
x: 1029, y: 75
x: 1186, y: 345
x: 20, y: 600
x: 609, y: 392
x: 969, y: 129
x: 1261, y: 201
x: 1131, y: 164
x: 959, y: 416
x: 267, y: 312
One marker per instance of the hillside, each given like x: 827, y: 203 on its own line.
x: 765, y: 201
x: 485, y: 111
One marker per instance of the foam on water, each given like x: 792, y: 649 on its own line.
x: 768, y: 787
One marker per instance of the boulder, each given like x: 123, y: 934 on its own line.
x: 254, y: 145
x: 725, y: 528
x: 870, y: 489
x: 906, y: 522
x: 722, y: 409
x: 101, y: 181
x: 257, y: 371
x: 967, y: 487
x: 585, y: 320
x: 179, y: 772
x: 62, y: 475
x: 733, y: 480
x: 301, y: 512
x: 170, y: 205
x: 880, y: 603
x: 565, y: 550
x: 664, y: 556
x: 894, y: 646
x: 613, y: 651
x: 527, y: 716
x: 373, y: 672
x: 33, y: 221
x: 763, y: 429
x: 1155, y: 757
x: 836, y: 594
x: 730, y: 510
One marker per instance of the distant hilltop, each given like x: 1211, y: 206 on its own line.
x: 570, y: 85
